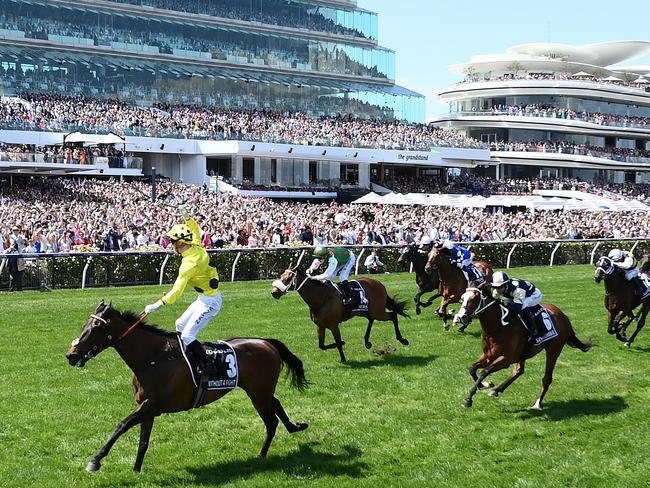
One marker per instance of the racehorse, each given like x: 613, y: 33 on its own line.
x: 621, y: 300
x: 451, y: 281
x: 327, y: 310
x: 162, y: 378
x: 505, y: 342
x: 427, y: 282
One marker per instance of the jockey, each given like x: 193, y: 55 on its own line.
x: 195, y: 270
x: 462, y: 258
x: 518, y: 296
x: 624, y: 260
x: 426, y: 243
x: 340, y: 261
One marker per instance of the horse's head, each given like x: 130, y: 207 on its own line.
x: 473, y: 301
x: 96, y: 336
x: 407, y: 254
x: 285, y: 283
x: 435, y: 256
x: 604, y: 267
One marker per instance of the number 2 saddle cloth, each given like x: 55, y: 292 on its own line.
x: 223, y: 372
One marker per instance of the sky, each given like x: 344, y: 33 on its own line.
x: 429, y: 35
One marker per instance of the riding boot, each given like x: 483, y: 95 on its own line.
x: 345, y: 287
x: 529, y: 321
x: 201, y: 358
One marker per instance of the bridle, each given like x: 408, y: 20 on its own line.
x: 291, y: 286
x: 483, y: 300
x: 606, y: 266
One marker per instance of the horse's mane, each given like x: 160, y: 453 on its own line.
x: 132, y: 317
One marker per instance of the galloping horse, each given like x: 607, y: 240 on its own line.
x: 620, y: 300
x: 451, y: 281
x: 162, y: 379
x: 427, y: 282
x: 327, y: 310
x: 505, y: 341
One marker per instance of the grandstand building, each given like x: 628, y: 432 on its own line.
x: 319, y: 57
x: 557, y: 110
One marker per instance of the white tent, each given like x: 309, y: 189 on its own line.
x: 612, y: 78
x: 371, y: 197
x: 582, y: 74
x: 641, y: 80
x: 111, y: 138
x: 394, y: 199
x: 75, y: 137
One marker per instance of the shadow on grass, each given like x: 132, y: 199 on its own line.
x: 393, y: 360
x: 577, y: 408
x: 303, y: 464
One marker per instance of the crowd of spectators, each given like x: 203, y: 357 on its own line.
x: 72, y: 154
x: 66, y: 113
x: 63, y: 215
x: 624, y: 154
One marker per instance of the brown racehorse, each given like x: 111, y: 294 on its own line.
x: 451, y: 281
x: 621, y: 300
x: 327, y: 310
x: 162, y: 379
x: 505, y: 342
x: 427, y: 282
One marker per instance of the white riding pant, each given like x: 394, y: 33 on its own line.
x: 197, y: 316
x: 346, y: 268
x: 534, y: 299
x: 632, y: 273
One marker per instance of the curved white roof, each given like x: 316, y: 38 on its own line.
x: 558, y: 57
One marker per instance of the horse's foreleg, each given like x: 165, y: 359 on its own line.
x: 517, y: 371
x: 282, y: 415
x: 145, y: 433
x: 141, y: 414
x: 643, y: 314
x: 481, y: 362
x: 442, y: 312
x: 366, y: 337
x: 418, y: 303
x: 496, y: 365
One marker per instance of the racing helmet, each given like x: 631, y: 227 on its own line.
x: 320, y: 252
x: 616, y: 255
x: 499, y: 279
x: 426, y: 241
x: 180, y: 233
x: 447, y: 244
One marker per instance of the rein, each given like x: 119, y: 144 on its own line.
x: 479, y: 310
x: 141, y: 317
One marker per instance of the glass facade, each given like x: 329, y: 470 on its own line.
x: 154, y: 35
x: 154, y: 58
x: 297, y: 14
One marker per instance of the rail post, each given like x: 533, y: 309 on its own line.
x: 83, y: 274
x: 553, y: 253
x: 514, y: 246
x: 162, y: 269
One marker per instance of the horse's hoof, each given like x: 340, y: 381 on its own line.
x: 467, y: 403
x: 368, y: 344
x: 493, y: 393
x: 403, y: 341
x: 261, y: 457
x: 611, y: 332
x: 446, y: 326
x: 462, y: 329
x: 627, y: 344
x: 418, y: 311
x: 485, y: 384
x: 300, y: 426
x: 93, y: 466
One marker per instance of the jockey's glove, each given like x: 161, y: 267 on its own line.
x: 309, y: 272
x: 153, y: 308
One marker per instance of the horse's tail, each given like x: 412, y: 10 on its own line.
x: 296, y: 370
x: 394, y: 306
x: 575, y: 342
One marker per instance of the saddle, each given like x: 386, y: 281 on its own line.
x: 222, y: 369
x: 544, y: 328
x: 359, y: 302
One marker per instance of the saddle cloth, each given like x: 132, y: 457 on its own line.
x: 545, y: 328
x: 223, y: 372
x: 358, y: 296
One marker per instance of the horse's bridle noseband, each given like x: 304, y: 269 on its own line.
x: 291, y: 286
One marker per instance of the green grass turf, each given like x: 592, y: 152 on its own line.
x: 381, y: 420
